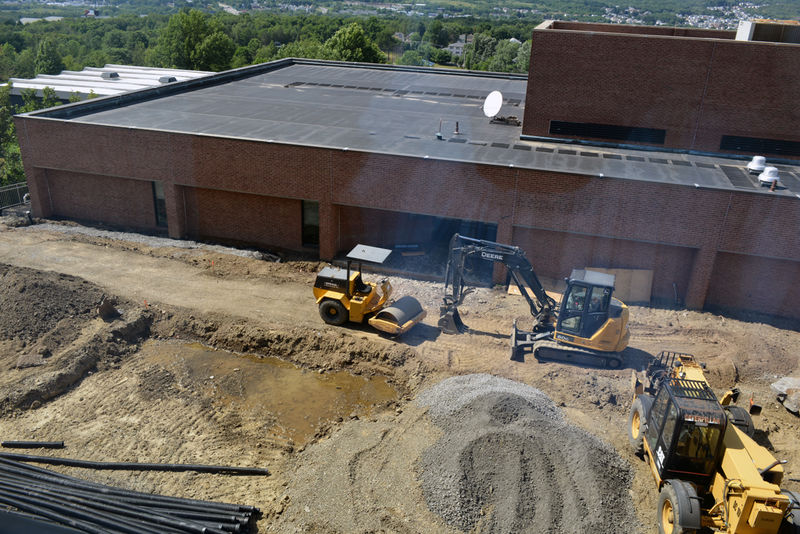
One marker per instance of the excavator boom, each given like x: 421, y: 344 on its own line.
x: 593, y: 328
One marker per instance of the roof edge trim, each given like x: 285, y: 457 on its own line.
x: 86, y: 107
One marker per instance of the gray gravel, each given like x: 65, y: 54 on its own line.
x: 509, y: 462
x: 148, y: 240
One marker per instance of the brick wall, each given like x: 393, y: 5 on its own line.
x: 104, y: 199
x: 697, y: 89
x: 555, y: 254
x: 251, y: 192
x: 759, y: 284
x: 243, y: 218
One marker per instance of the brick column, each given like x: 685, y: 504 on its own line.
x: 176, y: 210
x: 505, y: 232
x: 700, y: 278
x: 328, y: 230
x: 40, y: 192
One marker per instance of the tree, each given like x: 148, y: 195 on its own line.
x: 265, y: 53
x: 478, y: 52
x: 25, y: 66
x: 410, y: 57
x: 441, y: 56
x: 48, y: 60
x: 310, y: 49
x: 352, y: 44
x: 214, y: 53
x: 184, y: 32
x: 8, y: 57
x: 505, y: 53
x: 523, y: 60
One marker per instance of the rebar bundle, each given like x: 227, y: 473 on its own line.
x: 34, y: 493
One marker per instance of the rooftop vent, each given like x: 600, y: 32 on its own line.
x: 769, y: 176
x: 110, y: 75
x: 167, y: 79
x: 757, y: 164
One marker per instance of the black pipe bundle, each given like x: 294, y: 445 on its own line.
x: 37, y: 494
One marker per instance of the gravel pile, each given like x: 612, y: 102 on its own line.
x: 509, y: 462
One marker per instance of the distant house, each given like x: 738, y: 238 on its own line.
x: 457, y: 48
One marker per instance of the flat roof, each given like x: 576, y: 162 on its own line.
x: 396, y: 111
x: 120, y: 79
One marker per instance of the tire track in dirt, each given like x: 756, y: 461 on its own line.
x: 509, y: 462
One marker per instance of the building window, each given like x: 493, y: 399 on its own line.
x: 651, y: 136
x: 310, y: 223
x: 755, y: 145
x: 159, y: 204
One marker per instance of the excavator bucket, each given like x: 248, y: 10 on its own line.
x: 398, y: 318
x: 450, y: 321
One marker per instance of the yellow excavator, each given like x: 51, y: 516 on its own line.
x: 342, y: 295
x: 589, y: 328
x: 710, y: 472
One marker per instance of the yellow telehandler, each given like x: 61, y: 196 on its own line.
x: 342, y: 296
x: 711, y: 474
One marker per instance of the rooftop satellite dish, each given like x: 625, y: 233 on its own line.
x: 492, y: 104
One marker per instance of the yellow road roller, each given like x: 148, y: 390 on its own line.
x: 342, y: 295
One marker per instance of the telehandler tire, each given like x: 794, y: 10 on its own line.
x: 791, y: 523
x: 677, y: 514
x: 741, y: 418
x: 637, y: 420
x: 333, y: 312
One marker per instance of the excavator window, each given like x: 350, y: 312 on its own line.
x: 576, y: 299
x: 599, y: 299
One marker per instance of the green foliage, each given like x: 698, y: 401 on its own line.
x: 11, y: 170
x: 214, y: 53
x: 410, y: 57
x: 178, y: 43
x: 352, y: 44
x: 478, y: 53
x: 48, y: 60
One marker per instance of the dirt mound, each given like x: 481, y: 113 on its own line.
x: 33, y: 302
x: 312, y: 348
x: 51, y: 337
x: 508, y: 462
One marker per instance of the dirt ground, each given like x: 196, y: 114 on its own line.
x: 123, y: 389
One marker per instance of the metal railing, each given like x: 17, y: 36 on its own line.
x: 13, y: 195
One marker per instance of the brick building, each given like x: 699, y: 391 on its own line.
x: 312, y: 155
x: 710, y: 91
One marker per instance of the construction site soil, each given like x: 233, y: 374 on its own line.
x: 425, y: 433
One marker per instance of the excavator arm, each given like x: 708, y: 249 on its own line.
x: 541, y: 305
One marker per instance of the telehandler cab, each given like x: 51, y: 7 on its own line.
x: 342, y: 295
x: 710, y: 472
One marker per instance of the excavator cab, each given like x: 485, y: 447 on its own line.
x: 589, y: 316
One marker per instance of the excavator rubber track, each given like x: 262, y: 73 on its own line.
x: 547, y: 349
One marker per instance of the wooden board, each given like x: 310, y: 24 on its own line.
x: 632, y: 286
